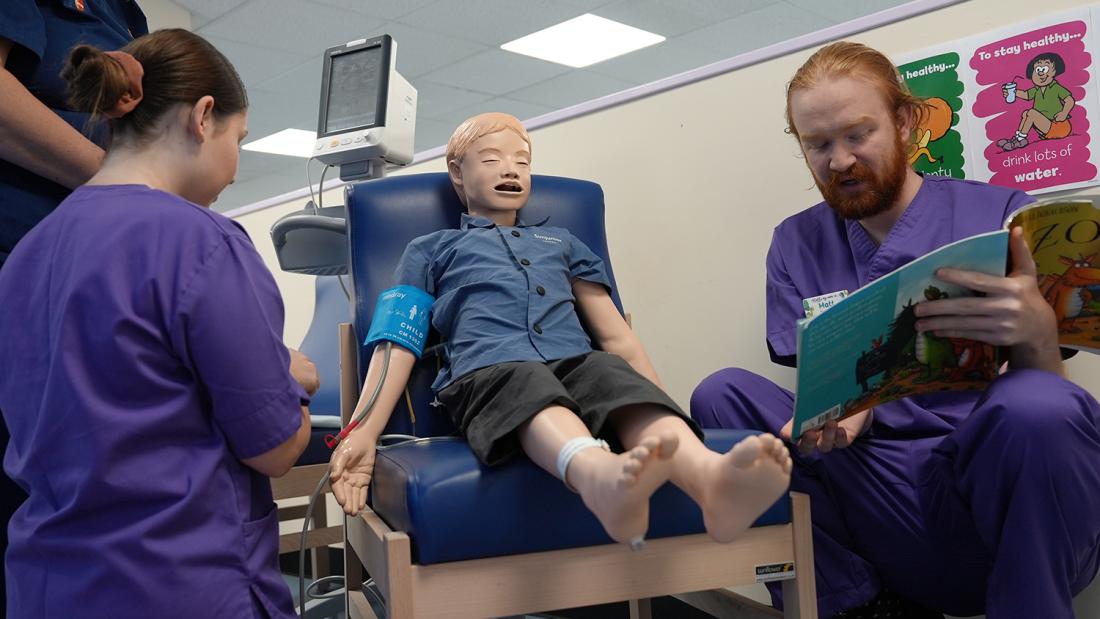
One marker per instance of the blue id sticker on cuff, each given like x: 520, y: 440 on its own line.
x: 401, y: 316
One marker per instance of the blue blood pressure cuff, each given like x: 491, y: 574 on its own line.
x: 401, y: 316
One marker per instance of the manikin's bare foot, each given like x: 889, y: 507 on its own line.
x: 743, y: 482
x: 617, y: 487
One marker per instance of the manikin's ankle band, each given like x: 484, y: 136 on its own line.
x: 571, y: 448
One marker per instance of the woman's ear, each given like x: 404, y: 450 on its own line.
x: 200, y: 120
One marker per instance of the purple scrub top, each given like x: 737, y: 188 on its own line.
x: 142, y: 360
x: 816, y: 252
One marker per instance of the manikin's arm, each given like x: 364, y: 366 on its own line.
x: 610, y: 330
x: 35, y: 139
x: 352, y: 464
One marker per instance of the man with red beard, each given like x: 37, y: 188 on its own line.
x: 960, y: 502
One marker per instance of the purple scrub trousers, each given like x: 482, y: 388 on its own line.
x: 1000, y: 514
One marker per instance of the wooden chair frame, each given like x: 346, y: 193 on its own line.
x: 694, y: 568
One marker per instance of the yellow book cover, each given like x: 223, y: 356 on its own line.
x: 1064, y: 237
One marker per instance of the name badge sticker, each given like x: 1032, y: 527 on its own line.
x: 816, y: 305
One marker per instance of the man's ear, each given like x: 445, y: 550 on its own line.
x: 907, y: 119
x: 200, y: 121
x: 454, y: 170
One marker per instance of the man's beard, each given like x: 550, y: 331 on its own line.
x: 878, y: 192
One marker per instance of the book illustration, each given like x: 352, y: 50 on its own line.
x: 1064, y: 237
x: 865, y: 350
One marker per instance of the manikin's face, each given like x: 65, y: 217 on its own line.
x: 220, y: 156
x: 853, y: 145
x: 494, y: 174
x: 1043, y: 73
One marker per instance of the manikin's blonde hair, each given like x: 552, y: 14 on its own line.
x: 848, y: 59
x: 478, y: 127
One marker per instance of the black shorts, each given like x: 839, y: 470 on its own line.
x: 490, y: 404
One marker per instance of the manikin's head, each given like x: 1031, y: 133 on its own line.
x: 854, y: 119
x: 489, y: 161
x: 1044, y: 68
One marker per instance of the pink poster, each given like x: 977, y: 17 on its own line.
x: 1036, y: 114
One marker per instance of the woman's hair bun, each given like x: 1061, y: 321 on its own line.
x: 96, y: 81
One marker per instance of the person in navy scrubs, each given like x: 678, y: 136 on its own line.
x: 43, y: 153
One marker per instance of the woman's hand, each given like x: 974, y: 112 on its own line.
x: 351, y: 467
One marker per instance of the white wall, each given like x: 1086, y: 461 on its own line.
x: 695, y: 179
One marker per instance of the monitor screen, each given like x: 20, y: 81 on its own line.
x: 353, y: 94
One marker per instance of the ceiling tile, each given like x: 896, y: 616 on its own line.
x: 209, y: 10
x: 520, y: 109
x: 491, y: 22
x: 438, y: 100
x: 656, y: 62
x: 497, y: 72
x: 421, y: 51
x: 756, y: 29
x: 839, y: 11
x: 292, y: 25
x: 257, y: 64
x: 569, y: 89
x: 675, y: 18
x: 382, y: 9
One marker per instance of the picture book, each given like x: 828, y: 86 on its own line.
x: 863, y: 349
x: 1064, y: 238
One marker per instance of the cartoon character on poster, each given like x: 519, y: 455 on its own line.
x: 937, y: 147
x: 1034, y: 99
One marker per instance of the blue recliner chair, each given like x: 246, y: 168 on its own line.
x: 448, y: 537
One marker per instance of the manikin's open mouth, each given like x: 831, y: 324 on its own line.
x: 509, y: 186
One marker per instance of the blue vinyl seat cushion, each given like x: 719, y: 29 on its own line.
x: 454, y: 508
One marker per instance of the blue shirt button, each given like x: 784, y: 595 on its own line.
x: 515, y: 233
x: 541, y: 291
x: 538, y: 329
x: 525, y: 262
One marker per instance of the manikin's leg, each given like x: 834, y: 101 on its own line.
x: 731, y: 489
x: 616, y: 487
x: 738, y: 399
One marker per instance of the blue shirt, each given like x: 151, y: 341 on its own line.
x: 43, y: 32
x: 816, y: 252
x: 503, y: 293
x: 142, y: 360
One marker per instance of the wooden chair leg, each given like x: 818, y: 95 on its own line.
x: 800, y: 594
x: 641, y: 609
x: 321, y: 563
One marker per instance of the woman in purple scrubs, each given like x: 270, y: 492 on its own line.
x: 143, y: 376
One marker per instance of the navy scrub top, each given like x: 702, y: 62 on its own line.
x: 43, y: 32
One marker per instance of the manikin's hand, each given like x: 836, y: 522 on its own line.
x: 833, y: 435
x: 1012, y: 313
x: 352, y: 465
x: 303, y: 371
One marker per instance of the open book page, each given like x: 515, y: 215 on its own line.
x: 865, y: 349
x: 1064, y: 237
